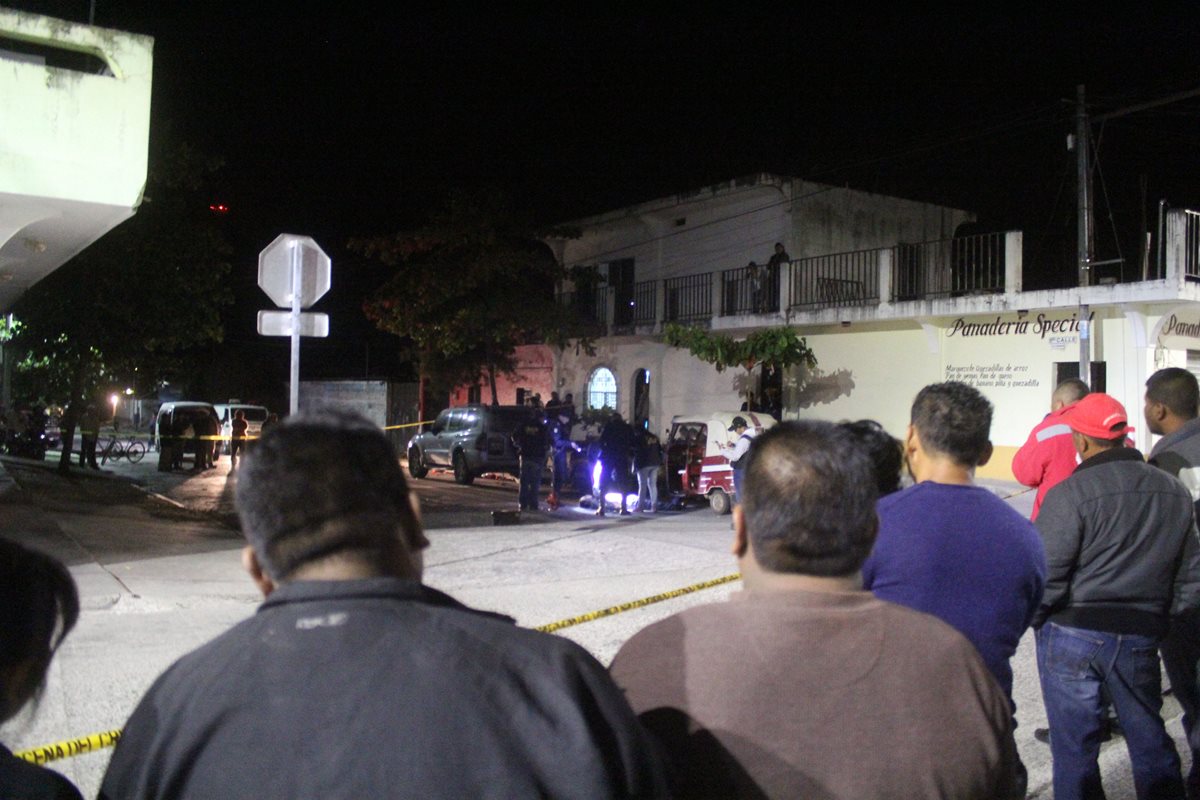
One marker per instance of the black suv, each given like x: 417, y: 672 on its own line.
x: 472, y: 440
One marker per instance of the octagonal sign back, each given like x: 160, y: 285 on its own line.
x: 277, y: 265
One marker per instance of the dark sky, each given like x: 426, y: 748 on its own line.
x: 352, y: 117
x: 338, y: 119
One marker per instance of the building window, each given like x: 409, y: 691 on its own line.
x: 602, y: 389
x: 475, y: 394
x: 640, y: 413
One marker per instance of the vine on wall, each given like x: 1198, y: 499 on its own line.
x: 771, y: 347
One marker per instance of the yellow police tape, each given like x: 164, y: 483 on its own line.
x: 98, y: 741
x: 71, y: 747
x: 221, y: 438
x: 645, y: 601
x: 407, y: 425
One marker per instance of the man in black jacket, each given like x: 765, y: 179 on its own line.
x: 1122, y: 557
x: 354, y: 679
x: 1172, y: 410
x: 531, y: 441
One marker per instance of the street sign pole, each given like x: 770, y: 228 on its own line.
x: 294, y: 272
x: 297, y: 282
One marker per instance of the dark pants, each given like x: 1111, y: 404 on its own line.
x: 203, y: 454
x: 1181, y: 656
x: 560, y: 468
x: 614, y: 476
x: 236, y: 445
x: 531, y: 482
x: 87, y: 451
x: 1073, y: 664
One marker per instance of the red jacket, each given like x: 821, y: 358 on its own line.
x: 1047, y: 457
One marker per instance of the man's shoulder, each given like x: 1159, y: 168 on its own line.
x: 224, y: 667
x: 1112, y: 479
x: 928, y: 507
x: 1181, y: 448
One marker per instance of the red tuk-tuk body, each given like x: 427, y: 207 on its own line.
x: 695, y: 465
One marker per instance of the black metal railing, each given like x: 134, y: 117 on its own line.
x: 949, y: 267
x: 589, y: 306
x: 955, y: 267
x: 1191, y: 244
x: 645, y: 303
x: 836, y: 281
x: 688, y: 298
x: 750, y: 290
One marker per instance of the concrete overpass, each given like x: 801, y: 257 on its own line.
x: 74, y: 133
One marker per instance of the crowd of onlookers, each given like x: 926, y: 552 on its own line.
x: 868, y: 655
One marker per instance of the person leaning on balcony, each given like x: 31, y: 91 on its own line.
x: 779, y: 259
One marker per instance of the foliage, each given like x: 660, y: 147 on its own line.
x: 772, y: 347
x: 123, y: 311
x: 468, y: 288
x: 596, y: 416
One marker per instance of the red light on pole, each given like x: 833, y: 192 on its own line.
x: 219, y: 208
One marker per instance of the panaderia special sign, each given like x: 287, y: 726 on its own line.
x: 1042, y: 326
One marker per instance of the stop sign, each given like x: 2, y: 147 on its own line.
x: 288, y: 256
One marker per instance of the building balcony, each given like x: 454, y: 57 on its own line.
x: 965, y: 275
x: 74, y: 133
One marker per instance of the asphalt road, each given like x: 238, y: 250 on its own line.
x: 159, y: 574
x: 444, y: 503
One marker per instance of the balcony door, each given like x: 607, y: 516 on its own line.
x: 620, y: 278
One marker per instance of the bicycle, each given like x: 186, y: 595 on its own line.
x: 132, y: 450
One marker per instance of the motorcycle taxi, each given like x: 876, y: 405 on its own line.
x: 696, y: 467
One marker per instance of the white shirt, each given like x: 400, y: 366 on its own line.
x: 738, y: 449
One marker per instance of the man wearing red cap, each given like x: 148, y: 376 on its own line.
x: 1122, y: 555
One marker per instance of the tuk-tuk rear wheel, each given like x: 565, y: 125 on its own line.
x: 719, y: 502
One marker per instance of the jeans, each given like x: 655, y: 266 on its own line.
x: 1073, y: 663
x: 531, y: 482
x: 1181, y: 656
x: 647, y: 488
x: 560, y: 469
x: 737, y: 485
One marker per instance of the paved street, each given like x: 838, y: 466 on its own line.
x: 158, y: 569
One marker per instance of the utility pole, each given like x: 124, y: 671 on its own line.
x: 1084, y: 230
x: 1084, y: 227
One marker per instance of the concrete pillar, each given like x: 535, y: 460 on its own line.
x: 1012, y: 261
x: 887, y: 258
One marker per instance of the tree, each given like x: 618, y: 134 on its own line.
x: 124, y: 310
x: 771, y: 347
x: 468, y: 289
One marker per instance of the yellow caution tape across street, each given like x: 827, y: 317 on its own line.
x: 70, y: 747
x: 407, y: 425
x: 99, y: 741
x: 645, y: 601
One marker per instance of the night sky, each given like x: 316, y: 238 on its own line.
x: 352, y: 119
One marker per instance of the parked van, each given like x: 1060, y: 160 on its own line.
x: 255, y: 416
x: 173, y: 418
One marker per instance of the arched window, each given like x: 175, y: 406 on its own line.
x: 602, y: 389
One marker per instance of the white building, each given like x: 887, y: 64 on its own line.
x: 886, y: 295
x: 74, y: 132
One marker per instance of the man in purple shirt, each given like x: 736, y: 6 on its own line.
x: 953, y: 549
